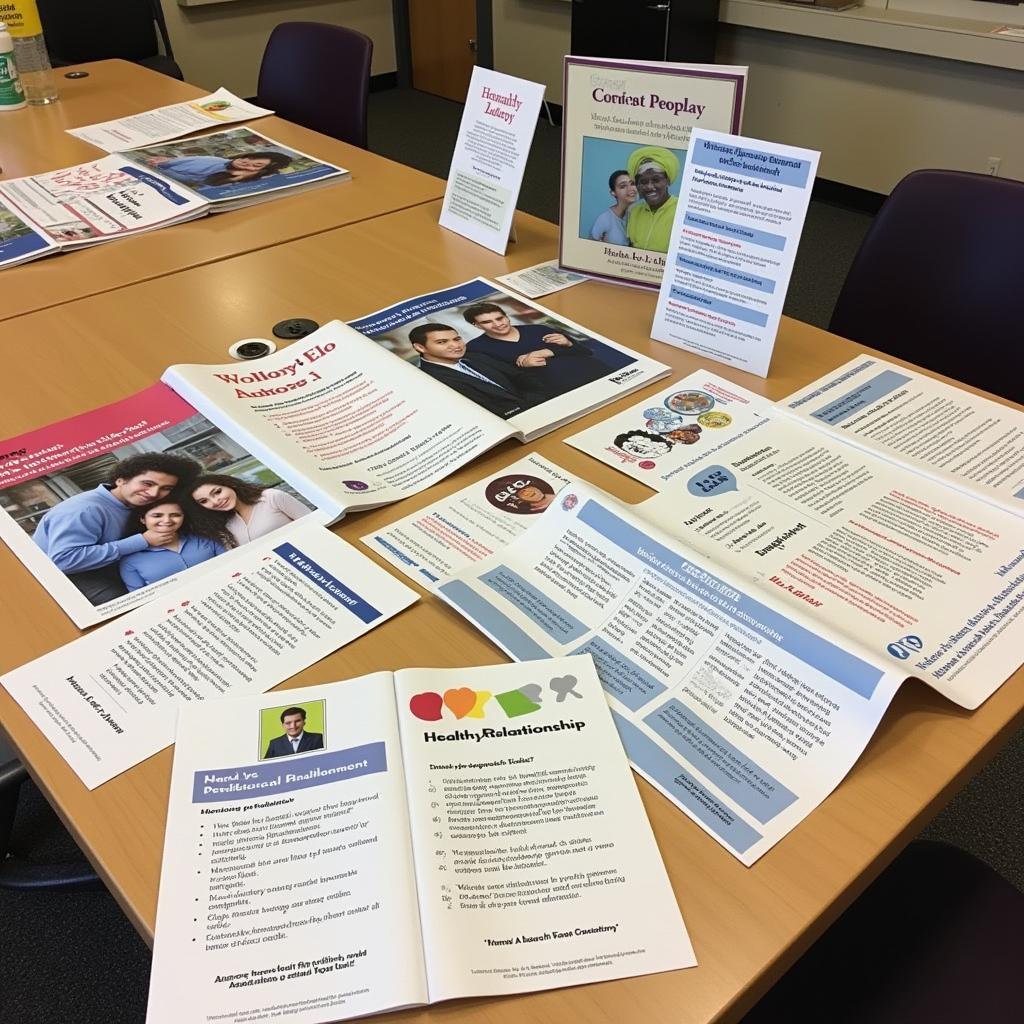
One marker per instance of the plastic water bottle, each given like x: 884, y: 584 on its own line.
x: 12, y: 96
x: 22, y: 17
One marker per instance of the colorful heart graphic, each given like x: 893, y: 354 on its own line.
x: 482, y: 697
x: 129, y: 632
x: 185, y: 604
x: 426, y: 706
x: 460, y: 702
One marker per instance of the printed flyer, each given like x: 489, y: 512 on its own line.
x: 397, y: 840
x: 471, y: 524
x: 218, y: 108
x: 732, y: 247
x: 924, y: 577
x: 498, y: 122
x: 108, y: 700
x: 745, y: 713
x: 626, y: 137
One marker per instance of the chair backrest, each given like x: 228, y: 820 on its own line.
x: 318, y: 76
x: 77, y: 32
x: 939, y: 278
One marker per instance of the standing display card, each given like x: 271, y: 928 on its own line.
x: 626, y: 135
x: 736, y: 231
x: 490, y: 156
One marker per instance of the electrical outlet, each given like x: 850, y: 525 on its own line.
x: 993, y: 165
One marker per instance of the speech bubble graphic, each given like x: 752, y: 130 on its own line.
x: 711, y: 480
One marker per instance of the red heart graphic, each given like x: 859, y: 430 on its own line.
x: 185, y: 604
x: 426, y: 706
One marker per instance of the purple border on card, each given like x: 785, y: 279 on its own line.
x: 597, y: 62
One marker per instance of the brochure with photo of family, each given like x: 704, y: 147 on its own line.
x: 626, y: 134
x: 142, y: 189
x: 108, y: 507
x: 405, y: 838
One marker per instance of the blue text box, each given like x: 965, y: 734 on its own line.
x: 500, y: 627
x: 738, y: 158
x: 320, y: 577
x: 661, y: 768
x: 759, y: 284
x: 559, y: 624
x: 744, y: 781
x: 860, y: 397
x: 729, y: 309
x: 285, y: 775
x: 729, y: 229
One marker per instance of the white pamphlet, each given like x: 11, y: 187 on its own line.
x: 264, y: 612
x: 542, y: 279
x: 490, y: 157
x: 737, y: 226
x: 217, y: 109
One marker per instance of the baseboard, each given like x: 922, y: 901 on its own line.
x: 379, y: 83
x: 838, y: 194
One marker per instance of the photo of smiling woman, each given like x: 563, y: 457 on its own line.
x: 649, y: 221
x: 239, y: 512
x: 610, y: 226
x: 219, y: 170
x: 179, y: 545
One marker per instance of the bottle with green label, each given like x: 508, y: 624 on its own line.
x: 12, y: 95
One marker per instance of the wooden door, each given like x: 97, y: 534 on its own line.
x: 442, y: 36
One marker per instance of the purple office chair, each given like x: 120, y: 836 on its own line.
x: 939, y: 279
x: 318, y: 76
x: 938, y: 938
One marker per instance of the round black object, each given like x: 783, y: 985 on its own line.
x: 253, y: 350
x: 295, y: 328
x: 76, y: 74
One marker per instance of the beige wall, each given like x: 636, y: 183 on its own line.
x: 222, y: 43
x: 874, y: 114
x: 877, y: 114
x: 530, y: 39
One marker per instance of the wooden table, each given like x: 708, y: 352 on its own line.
x: 747, y: 924
x: 33, y: 140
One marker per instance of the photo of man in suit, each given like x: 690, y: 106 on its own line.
x: 295, y: 739
x: 500, y: 388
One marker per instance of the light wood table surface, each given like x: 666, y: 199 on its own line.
x: 34, y: 140
x: 747, y: 924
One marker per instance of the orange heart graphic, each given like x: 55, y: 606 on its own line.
x: 460, y: 702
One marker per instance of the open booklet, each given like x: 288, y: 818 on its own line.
x: 396, y: 840
x: 108, y: 700
x: 142, y: 189
x: 170, y: 122
x: 216, y: 456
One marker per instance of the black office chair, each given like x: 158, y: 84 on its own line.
x: 318, y: 76
x: 127, y: 29
x: 938, y: 279
x: 938, y: 938
x: 22, y: 873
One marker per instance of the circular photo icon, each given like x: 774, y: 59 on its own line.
x: 569, y: 502
x: 666, y: 423
x: 356, y: 485
x: 689, y: 433
x: 643, y: 444
x: 714, y: 420
x: 656, y: 414
x: 689, y: 403
x: 520, y: 495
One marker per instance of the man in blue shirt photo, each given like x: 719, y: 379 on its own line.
x: 84, y: 536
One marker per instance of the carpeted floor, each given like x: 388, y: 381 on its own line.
x: 75, y: 958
